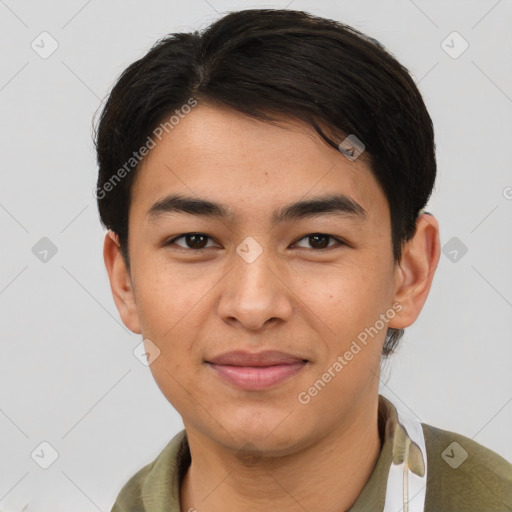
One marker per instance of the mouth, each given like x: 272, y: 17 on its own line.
x: 257, y: 371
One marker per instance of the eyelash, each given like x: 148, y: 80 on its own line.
x: 339, y: 241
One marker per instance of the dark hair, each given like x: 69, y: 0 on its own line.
x: 281, y: 63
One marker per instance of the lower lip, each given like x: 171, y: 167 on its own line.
x: 257, y: 377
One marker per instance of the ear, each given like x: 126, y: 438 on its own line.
x: 415, y: 272
x: 120, y: 282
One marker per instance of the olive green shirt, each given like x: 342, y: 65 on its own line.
x: 462, y: 475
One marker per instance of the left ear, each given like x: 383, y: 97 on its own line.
x: 415, y: 272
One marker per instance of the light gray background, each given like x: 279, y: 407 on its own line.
x: 68, y: 375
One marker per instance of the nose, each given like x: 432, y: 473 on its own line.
x: 255, y: 294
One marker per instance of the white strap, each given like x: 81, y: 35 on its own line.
x: 406, y: 492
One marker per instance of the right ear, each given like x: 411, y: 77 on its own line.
x: 120, y: 282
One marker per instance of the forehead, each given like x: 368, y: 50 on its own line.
x: 218, y: 153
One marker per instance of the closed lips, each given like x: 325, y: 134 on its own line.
x: 265, y: 358
x: 257, y: 371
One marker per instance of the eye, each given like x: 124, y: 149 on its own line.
x: 194, y: 241
x: 199, y: 241
x: 320, y: 240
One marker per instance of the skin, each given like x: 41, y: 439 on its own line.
x: 294, y: 297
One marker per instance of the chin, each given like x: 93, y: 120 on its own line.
x: 275, y: 433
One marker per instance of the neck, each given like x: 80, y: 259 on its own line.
x: 335, y: 468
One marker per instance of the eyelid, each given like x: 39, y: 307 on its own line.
x: 173, y: 241
x: 339, y: 241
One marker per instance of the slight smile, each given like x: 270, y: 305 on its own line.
x: 256, y: 371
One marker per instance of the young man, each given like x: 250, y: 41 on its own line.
x: 263, y: 183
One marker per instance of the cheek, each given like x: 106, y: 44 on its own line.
x: 169, y: 298
x: 349, y: 293
x: 345, y: 305
x: 171, y: 315
x: 345, y: 310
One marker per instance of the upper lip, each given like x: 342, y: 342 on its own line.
x: 264, y: 358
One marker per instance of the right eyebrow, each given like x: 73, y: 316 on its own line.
x: 334, y: 204
x: 183, y: 204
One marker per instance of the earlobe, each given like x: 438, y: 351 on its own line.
x: 120, y: 282
x: 415, y: 272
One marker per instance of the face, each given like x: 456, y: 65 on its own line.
x: 306, y: 282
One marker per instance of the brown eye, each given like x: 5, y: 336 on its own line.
x: 192, y: 241
x: 321, y: 241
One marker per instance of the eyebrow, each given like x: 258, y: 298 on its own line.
x: 323, y: 205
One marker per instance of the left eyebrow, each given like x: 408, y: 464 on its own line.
x: 322, y: 205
